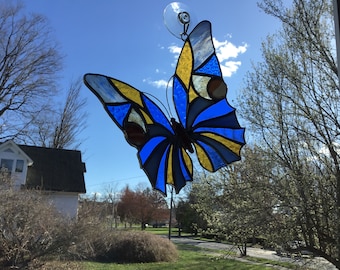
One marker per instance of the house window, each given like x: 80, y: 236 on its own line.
x: 19, y: 167
x: 6, y: 164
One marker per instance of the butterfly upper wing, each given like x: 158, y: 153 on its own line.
x: 145, y: 127
x: 201, y: 105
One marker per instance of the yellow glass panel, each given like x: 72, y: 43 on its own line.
x: 203, y: 158
x: 187, y: 161
x: 129, y: 92
x: 234, y: 147
x: 147, y: 117
x: 184, y: 65
x: 192, y: 94
x: 170, y: 178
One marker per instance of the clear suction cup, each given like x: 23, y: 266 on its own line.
x: 179, y: 19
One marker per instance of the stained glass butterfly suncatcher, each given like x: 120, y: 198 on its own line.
x: 206, y: 124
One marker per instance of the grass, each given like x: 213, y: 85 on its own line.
x: 161, y: 231
x: 190, y: 258
x: 165, y: 231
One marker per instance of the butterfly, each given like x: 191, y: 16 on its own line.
x: 206, y: 124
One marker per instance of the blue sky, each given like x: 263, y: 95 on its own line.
x: 128, y: 40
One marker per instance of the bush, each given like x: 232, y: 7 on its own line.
x: 143, y: 247
x: 32, y: 233
x: 30, y: 229
x: 126, y: 247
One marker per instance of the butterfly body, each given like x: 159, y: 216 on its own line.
x: 206, y: 124
x: 183, y: 135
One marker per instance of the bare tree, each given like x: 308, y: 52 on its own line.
x: 111, y: 199
x: 71, y: 119
x: 29, y: 61
x: 291, y: 101
x: 59, y: 127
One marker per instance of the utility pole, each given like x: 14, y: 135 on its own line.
x: 170, y: 218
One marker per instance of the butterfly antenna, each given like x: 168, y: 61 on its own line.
x: 160, y: 103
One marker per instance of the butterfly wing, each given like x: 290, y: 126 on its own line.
x: 199, y: 94
x: 146, y: 128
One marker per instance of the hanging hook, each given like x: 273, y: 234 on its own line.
x: 184, y: 18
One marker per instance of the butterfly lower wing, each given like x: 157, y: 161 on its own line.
x: 201, y: 105
x: 218, y: 140
x: 172, y: 163
x: 145, y: 127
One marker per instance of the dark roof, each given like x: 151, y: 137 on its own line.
x: 55, y: 169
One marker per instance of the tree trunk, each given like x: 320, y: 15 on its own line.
x: 243, y: 249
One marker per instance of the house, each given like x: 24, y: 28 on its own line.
x: 58, y: 173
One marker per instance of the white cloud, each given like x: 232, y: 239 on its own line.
x: 228, y: 68
x: 325, y: 151
x: 176, y: 7
x: 226, y: 53
x: 161, y: 46
x: 175, y: 49
x: 157, y: 83
x: 96, y: 195
x: 225, y: 50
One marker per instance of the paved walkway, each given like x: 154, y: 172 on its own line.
x: 312, y: 263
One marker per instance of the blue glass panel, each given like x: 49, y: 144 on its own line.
x: 214, y: 157
x: 149, y: 147
x: 224, y: 154
x: 157, y: 114
x: 202, y: 45
x: 119, y: 112
x: 216, y: 110
x: 236, y: 135
x: 162, y: 172
x: 181, y: 101
x: 227, y: 121
x: 212, y: 67
x: 103, y: 88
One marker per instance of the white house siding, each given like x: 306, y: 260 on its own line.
x: 11, y: 151
x: 65, y: 203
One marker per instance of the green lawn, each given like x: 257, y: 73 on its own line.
x: 161, y: 231
x: 190, y: 257
x: 165, y: 231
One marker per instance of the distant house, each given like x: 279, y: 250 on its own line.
x: 58, y: 173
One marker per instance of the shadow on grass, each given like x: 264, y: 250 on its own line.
x: 188, y: 247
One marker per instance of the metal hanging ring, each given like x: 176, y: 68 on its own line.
x: 184, y: 18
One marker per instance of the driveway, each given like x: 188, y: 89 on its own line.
x: 312, y: 263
